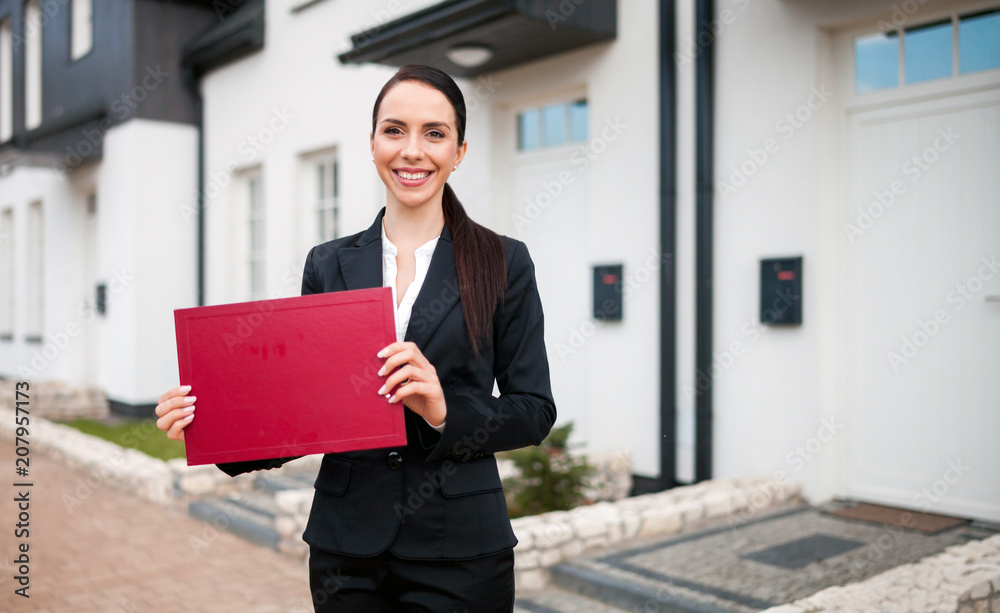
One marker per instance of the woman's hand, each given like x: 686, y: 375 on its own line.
x: 420, y: 389
x: 175, y: 411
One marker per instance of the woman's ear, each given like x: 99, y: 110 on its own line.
x: 460, y: 154
x: 371, y: 145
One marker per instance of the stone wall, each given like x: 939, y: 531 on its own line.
x: 57, y: 401
x: 983, y: 597
x: 963, y: 578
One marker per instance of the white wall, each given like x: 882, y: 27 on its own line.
x: 774, y: 59
x: 147, y: 254
x: 296, y: 96
x: 53, y: 357
x: 619, y: 408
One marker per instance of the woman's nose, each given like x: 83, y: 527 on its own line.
x: 413, y: 149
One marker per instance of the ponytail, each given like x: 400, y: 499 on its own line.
x: 481, y: 268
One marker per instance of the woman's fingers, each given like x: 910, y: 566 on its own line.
x: 175, y: 421
x: 401, y: 353
x: 180, y: 390
x: 173, y: 399
x: 176, y: 431
x: 175, y: 411
x: 398, y: 376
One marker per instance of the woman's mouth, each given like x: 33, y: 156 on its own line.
x: 412, y: 178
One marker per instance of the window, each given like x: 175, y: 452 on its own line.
x: 82, y: 36
x: 7, y: 292
x: 979, y: 42
x: 33, y: 319
x: 876, y: 61
x: 319, y: 216
x: 325, y: 200
x: 255, y: 236
x: 32, y: 65
x: 552, y: 125
x: 6, y: 81
x: 927, y: 52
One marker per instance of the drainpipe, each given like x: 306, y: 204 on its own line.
x: 668, y: 246
x: 191, y: 81
x: 704, y: 205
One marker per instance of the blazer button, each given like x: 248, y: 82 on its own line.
x: 394, y: 460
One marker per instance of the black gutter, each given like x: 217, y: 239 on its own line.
x: 668, y: 245
x: 704, y: 205
x: 191, y: 80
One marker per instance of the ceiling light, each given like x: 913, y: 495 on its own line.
x: 470, y: 56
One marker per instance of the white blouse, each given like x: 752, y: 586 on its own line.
x: 389, y: 271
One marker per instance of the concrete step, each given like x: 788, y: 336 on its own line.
x: 251, y: 514
x: 252, y: 520
x: 272, y: 483
x: 556, y: 600
x: 627, y: 591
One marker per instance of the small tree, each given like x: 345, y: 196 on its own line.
x: 550, y: 478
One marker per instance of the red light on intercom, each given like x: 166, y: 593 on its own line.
x: 786, y: 275
x: 609, y: 279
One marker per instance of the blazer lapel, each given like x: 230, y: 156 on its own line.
x: 361, y: 268
x: 361, y: 264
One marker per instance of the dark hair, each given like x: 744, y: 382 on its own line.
x: 479, y: 253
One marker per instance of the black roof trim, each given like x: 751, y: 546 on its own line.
x: 237, y: 35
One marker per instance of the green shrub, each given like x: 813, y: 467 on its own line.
x: 550, y: 478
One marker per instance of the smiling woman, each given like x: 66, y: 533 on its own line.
x: 424, y: 526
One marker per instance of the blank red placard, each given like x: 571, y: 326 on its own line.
x: 290, y: 376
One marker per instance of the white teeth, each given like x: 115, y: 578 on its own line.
x: 411, y: 176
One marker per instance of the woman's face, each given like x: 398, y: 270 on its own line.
x: 415, y: 143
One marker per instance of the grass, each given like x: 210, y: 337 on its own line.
x: 142, y: 435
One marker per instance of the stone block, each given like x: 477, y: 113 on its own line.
x: 526, y: 560
x: 717, y: 504
x: 660, y: 522
x: 631, y: 523
x: 551, y: 557
x: 572, y: 548
x: 531, y: 580
x: 293, y: 502
x: 588, y: 526
x: 286, y: 525
x: 197, y: 484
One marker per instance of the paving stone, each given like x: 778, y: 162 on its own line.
x: 116, y: 548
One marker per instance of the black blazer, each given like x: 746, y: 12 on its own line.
x: 439, y: 496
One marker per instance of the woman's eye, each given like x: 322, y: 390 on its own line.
x: 436, y: 134
x: 392, y: 130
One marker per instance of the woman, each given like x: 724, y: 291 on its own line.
x: 424, y: 527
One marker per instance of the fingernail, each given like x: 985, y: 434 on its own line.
x: 185, y: 389
x: 381, y: 371
x: 382, y: 353
x: 189, y: 417
x: 381, y: 390
x: 190, y: 399
x: 189, y: 409
x: 392, y: 399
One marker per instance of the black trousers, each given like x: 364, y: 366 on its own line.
x: 387, y: 583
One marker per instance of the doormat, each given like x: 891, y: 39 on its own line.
x: 928, y: 523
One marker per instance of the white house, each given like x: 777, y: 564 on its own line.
x: 686, y: 142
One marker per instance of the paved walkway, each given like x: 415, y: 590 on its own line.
x: 115, y: 553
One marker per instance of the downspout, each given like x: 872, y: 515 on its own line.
x: 704, y: 205
x: 192, y: 83
x: 668, y: 245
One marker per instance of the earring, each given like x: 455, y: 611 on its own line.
x: 454, y: 168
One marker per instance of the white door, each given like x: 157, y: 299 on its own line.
x: 924, y: 316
